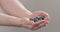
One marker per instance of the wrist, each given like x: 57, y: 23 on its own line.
x: 16, y: 22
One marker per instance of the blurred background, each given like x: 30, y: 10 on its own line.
x: 50, y: 6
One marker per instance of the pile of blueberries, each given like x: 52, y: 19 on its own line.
x: 38, y: 18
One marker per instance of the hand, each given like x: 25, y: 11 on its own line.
x: 35, y: 25
x: 25, y: 22
x: 42, y: 23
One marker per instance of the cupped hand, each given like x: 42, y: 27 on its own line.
x: 27, y: 23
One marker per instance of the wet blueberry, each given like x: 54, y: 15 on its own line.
x: 42, y: 17
x: 35, y: 19
x: 38, y: 18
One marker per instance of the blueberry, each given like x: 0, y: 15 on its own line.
x: 31, y: 19
x: 35, y: 19
x: 42, y: 17
x: 38, y: 18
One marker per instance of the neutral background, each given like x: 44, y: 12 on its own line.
x: 50, y: 6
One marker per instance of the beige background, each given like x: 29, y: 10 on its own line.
x: 50, y: 6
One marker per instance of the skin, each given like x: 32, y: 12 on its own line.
x: 14, y: 8
x: 8, y: 20
x: 18, y: 15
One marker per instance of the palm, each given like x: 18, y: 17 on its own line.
x: 35, y: 25
x: 43, y: 22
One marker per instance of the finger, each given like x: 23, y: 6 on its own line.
x: 37, y: 13
x: 46, y: 20
x: 38, y: 23
x: 44, y: 24
x: 43, y: 21
x: 40, y: 26
x: 41, y: 13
